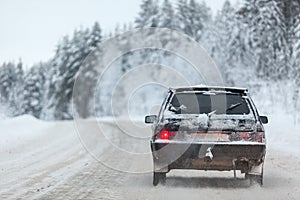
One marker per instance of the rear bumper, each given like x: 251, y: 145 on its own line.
x: 207, y: 156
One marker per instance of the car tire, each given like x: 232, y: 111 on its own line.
x: 255, y: 179
x: 159, y: 177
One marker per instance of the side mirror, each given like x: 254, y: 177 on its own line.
x: 264, y: 119
x: 150, y: 119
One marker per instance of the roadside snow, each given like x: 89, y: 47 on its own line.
x: 2, y: 116
x: 46, y: 160
x: 20, y: 130
x: 36, y: 155
x: 283, y: 134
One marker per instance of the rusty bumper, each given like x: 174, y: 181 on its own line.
x: 207, y: 156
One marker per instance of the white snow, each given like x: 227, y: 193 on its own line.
x: 36, y: 154
x: 19, y: 130
x: 47, y: 160
x: 283, y: 134
x: 193, y: 122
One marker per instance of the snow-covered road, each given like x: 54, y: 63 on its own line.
x: 46, y: 160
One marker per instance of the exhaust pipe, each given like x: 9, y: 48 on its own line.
x: 234, y: 167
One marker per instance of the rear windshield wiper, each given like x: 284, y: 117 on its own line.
x: 234, y: 106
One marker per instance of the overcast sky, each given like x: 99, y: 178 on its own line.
x: 30, y: 29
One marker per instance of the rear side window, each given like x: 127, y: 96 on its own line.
x: 200, y: 103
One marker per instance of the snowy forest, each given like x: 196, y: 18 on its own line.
x: 256, y: 44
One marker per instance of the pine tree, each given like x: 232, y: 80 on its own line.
x: 220, y: 39
x: 70, y: 55
x: 296, y: 63
x: 192, y: 17
x: 290, y: 10
x: 7, y: 78
x: 33, y: 91
x: 66, y: 65
x: 86, y: 83
x: 11, y: 78
x: 16, y: 98
x: 149, y: 14
x: 167, y: 16
x: 266, y: 36
x: 95, y: 37
x: 74, y: 55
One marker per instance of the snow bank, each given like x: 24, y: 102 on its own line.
x: 18, y: 130
x: 283, y: 133
x: 2, y: 116
x: 36, y: 155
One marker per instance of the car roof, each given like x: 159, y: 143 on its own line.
x: 210, y: 88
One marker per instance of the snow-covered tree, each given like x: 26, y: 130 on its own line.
x: 33, y: 91
x: 167, y: 16
x: 11, y: 80
x: 148, y: 15
x: 70, y: 55
x: 257, y: 41
x: 7, y: 79
x: 266, y: 36
x: 86, y: 84
x: 95, y: 37
x: 192, y: 17
x: 16, y: 93
x: 296, y: 63
x: 66, y: 64
x: 225, y: 40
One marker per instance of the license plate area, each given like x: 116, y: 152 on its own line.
x: 210, y: 137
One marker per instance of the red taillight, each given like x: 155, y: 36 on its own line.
x: 248, y: 136
x: 245, y: 135
x: 166, y: 135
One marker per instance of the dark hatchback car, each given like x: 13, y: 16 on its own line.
x: 208, y: 128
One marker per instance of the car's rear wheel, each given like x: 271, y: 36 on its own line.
x: 159, y: 177
x: 255, y: 179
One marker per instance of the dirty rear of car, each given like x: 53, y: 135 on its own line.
x: 208, y: 128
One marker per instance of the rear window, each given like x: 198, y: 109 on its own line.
x: 200, y: 103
